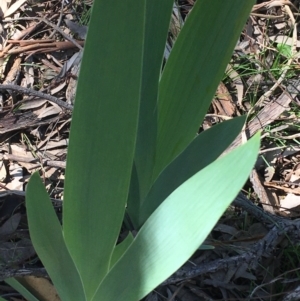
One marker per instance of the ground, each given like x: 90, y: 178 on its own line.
x: 253, y: 252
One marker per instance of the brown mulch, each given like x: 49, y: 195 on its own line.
x: 253, y: 252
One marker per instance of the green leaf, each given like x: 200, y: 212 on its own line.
x: 178, y: 226
x: 206, y: 247
x: 203, y: 150
x: 103, y: 135
x: 14, y: 283
x: 47, y: 239
x: 285, y: 50
x: 121, y: 248
x: 193, y: 71
x: 157, y: 20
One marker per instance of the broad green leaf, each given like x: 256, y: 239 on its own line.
x: 157, y: 20
x: 121, y: 248
x: 178, y: 226
x: 193, y: 71
x: 1, y: 299
x: 14, y: 283
x: 203, y: 150
x: 47, y: 238
x: 103, y: 135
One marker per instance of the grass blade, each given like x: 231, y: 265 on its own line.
x: 14, y: 283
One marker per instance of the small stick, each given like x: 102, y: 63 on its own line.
x: 38, y: 94
x: 51, y: 25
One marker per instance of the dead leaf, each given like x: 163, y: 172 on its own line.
x: 16, y: 150
x: 281, y: 39
x: 237, y: 83
x: 14, y: 8
x: 11, y: 225
x: 295, y: 190
x: 42, y: 288
x: 269, y: 173
x: 16, y: 172
x: 3, y: 7
x: 290, y: 201
x: 29, y: 74
x: 55, y: 144
x: 222, y: 103
x: 53, y: 110
x: 80, y: 30
x: 32, y: 104
x: 3, y: 172
x: 58, y: 88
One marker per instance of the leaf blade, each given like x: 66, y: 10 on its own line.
x: 200, y: 152
x: 120, y: 249
x: 193, y: 71
x: 157, y: 19
x: 14, y: 283
x: 47, y: 239
x: 166, y: 241
x: 107, y: 103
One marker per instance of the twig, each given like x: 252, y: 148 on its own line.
x: 38, y: 94
x: 264, y: 217
x: 267, y: 16
x: 269, y: 220
x: 251, y: 257
x: 280, y: 228
x: 8, y: 273
x: 269, y: 113
x: 49, y: 24
x: 59, y: 19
